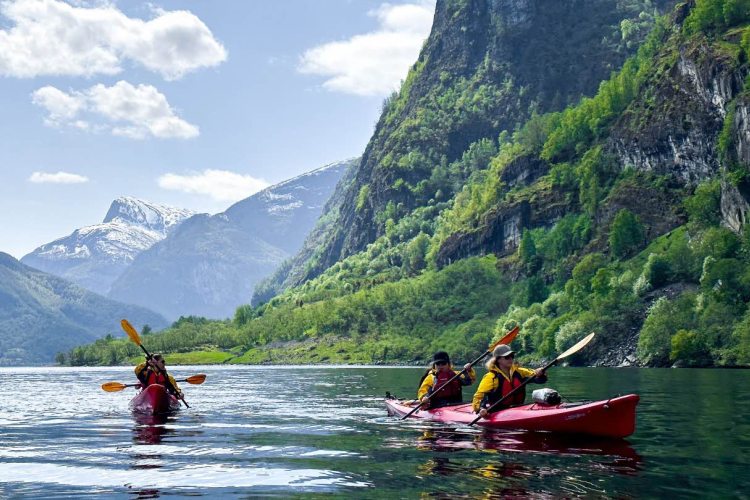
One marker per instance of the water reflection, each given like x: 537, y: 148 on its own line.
x: 617, y: 454
x: 257, y: 435
x: 151, y: 429
x: 146, y: 493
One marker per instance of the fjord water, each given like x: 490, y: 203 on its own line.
x: 297, y: 431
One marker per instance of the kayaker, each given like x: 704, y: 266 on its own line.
x: 440, y: 372
x: 503, y: 375
x: 154, y: 371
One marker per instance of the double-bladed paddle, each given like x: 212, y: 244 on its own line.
x: 117, y: 386
x: 580, y: 345
x: 133, y: 334
x: 507, y: 339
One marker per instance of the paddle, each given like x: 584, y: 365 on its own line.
x: 117, y: 386
x: 580, y: 345
x: 133, y: 334
x: 507, y: 339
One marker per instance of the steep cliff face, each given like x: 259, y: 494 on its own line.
x: 486, y: 66
x: 672, y: 128
x: 735, y: 196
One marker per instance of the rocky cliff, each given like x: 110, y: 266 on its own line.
x: 672, y: 128
x: 486, y: 67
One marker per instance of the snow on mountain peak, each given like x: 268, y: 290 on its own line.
x: 146, y: 214
x: 94, y: 256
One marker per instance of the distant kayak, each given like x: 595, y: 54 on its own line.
x: 154, y: 400
x: 613, y: 418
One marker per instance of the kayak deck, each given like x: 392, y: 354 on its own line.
x: 607, y: 418
x: 154, y: 400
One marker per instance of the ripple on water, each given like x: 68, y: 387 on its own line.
x: 250, y: 431
x: 195, y: 476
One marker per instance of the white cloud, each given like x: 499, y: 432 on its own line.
x: 57, y: 178
x: 221, y: 185
x: 52, y: 37
x: 123, y: 109
x: 373, y: 63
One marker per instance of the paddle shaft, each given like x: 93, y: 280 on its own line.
x: 166, y: 378
x: 118, y: 386
x: 446, y: 384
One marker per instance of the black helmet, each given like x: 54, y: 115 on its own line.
x: 441, y: 356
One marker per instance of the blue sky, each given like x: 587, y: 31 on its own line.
x: 190, y: 104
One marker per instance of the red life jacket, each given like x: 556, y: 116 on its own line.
x: 155, y: 378
x: 504, y: 387
x: 451, y: 393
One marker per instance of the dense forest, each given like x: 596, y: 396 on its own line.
x: 622, y: 213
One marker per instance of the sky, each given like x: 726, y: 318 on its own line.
x: 190, y: 104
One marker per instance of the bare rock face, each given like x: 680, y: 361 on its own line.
x: 673, y: 129
x: 523, y: 171
x: 735, y: 196
x: 734, y: 207
x: 501, y: 228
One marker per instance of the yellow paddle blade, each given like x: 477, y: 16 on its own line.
x: 507, y: 339
x: 113, y: 386
x: 132, y: 333
x: 196, y: 379
x: 580, y: 345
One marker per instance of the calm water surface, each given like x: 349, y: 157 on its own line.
x: 312, y: 431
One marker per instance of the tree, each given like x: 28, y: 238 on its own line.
x: 527, y: 252
x: 689, y: 347
x: 703, y: 207
x: 736, y: 11
x: 626, y: 233
x: 415, y: 253
x: 60, y: 358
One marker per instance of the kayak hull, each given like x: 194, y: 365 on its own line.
x: 153, y: 400
x: 613, y: 418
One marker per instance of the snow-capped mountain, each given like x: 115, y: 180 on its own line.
x: 94, y: 256
x: 210, y: 264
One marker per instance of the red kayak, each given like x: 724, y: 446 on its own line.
x: 153, y: 400
x: 613, y: 418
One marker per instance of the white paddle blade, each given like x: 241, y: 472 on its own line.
x: 580, y: 345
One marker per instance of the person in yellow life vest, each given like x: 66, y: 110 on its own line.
x: 503, y: 375
x: 440, y: 373
x: 154, y: 371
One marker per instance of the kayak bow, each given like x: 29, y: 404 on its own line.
x: 153, y: 400
x: 607, y: 418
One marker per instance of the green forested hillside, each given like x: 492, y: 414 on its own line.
x: 623, y: 214
x: 41, y: 315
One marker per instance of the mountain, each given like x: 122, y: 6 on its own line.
x: 95, y: 256
x: 210, y: 264
x: 486, y: 67
x: 623, y: 212
x: 41, y: 315
x: 291, y: 271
